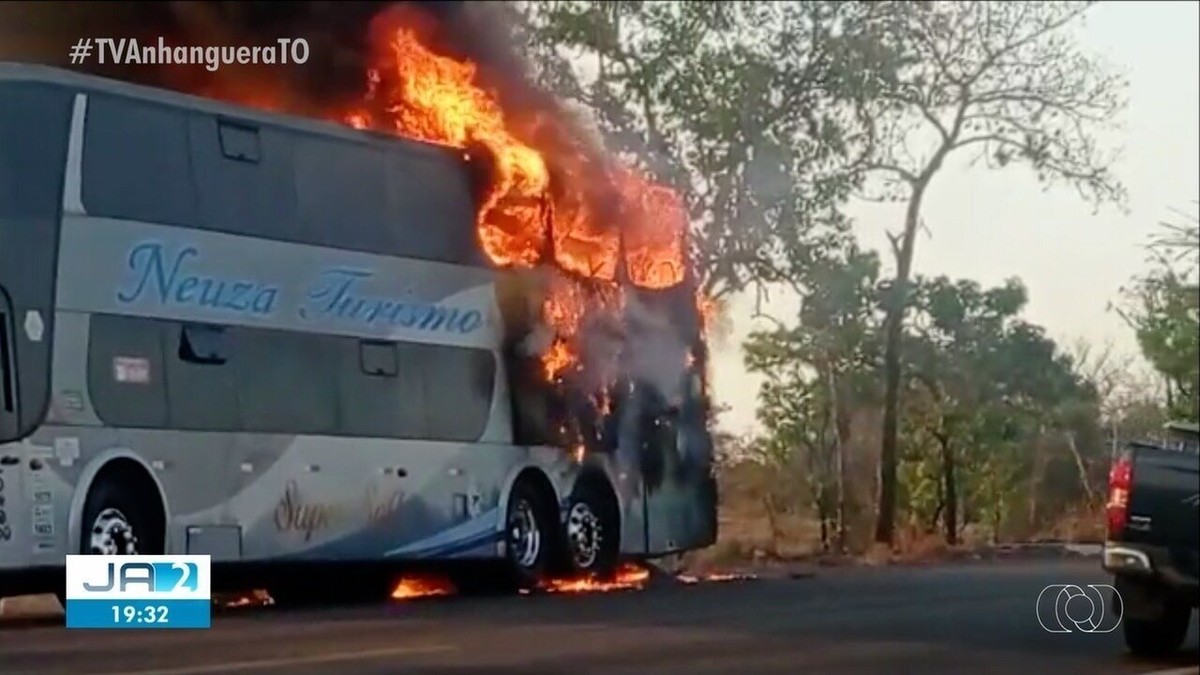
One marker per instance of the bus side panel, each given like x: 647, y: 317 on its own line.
x: 34, y: 126
x: 384, y: 499
x: 310, y: 498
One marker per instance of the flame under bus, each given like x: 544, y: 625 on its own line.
x: 278, y: 331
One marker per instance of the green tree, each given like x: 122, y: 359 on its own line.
x: 797, y: 444
x: 960, y: 329
x: 818, y: 371
x: 741, y: 106
x: 1001, y: 81
x: 992, y: 383
x: 1163, y: 308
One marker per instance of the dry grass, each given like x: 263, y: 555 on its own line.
x: 747, y: 538
x: 1080, y: 525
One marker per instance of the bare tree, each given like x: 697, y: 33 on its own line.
x: 1004, y: 81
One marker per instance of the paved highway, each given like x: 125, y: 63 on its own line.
x: 959, y: 619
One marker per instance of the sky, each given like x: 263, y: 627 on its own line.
x: 989, y: 226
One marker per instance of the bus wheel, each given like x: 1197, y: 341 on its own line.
x: 528, y: 534
x: 118, y: 519
x: 592, y: 530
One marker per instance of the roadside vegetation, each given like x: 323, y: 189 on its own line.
x: 900, y: 412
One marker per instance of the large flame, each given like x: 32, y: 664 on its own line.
x: 524, y: 214
x: 547, y: 200
x: 435, y: 99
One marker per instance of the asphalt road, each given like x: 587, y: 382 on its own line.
x: 970, y: 618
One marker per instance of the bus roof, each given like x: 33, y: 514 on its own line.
x: 25, y: 72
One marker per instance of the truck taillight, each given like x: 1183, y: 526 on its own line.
x: 1120, y: 477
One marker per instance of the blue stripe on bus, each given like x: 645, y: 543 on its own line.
x: 480, y: 526
x: 461, y: 546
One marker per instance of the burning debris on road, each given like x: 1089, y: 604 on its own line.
x: 630, y: 577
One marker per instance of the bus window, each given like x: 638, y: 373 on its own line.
x: 204, y: 345
x: 239, y: 143
x: 201, y: 395
x: 378, y: 359
x: 125, y: 371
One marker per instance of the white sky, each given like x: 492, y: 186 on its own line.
x: 992, y: 225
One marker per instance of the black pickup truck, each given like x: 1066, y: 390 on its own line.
x: 1153, y: 543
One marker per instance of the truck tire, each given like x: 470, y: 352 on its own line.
x: 1160, y: 635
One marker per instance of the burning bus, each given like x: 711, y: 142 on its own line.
x: 303, y: 346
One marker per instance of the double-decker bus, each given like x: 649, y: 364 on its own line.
x: 275, y: 341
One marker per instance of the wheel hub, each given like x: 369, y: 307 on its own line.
x: 112, y: 534
x: 584, y: 535
x: 524, y: 535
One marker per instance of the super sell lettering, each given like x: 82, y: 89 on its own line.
x: 294, y: 513
x: 380, y: 507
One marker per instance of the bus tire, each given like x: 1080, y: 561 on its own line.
x: 121, y: 516
x: 528, y: 534
x: 592, y: 529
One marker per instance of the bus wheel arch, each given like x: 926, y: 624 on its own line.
x: 529, y: 524
x: 591, y: 530
x: 118, y: 483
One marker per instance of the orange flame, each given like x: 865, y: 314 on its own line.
x: 254, y: 598
x: 654, y: 234
x: 628, y: 577
x: 422, y: 587
x: 435, y: 99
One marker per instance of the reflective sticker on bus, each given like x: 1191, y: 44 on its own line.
x: 67, y: 450
x: 130, y: 370
x: 35, y: 328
